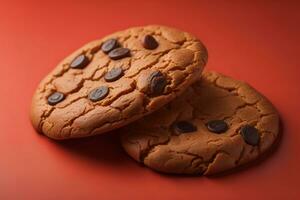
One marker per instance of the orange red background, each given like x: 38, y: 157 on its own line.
x: 256, y: 41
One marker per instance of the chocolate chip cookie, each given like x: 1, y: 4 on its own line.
x: 218, y: 124
x: 113, y: 81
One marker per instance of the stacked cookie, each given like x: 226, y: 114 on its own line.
x: 146, y: 82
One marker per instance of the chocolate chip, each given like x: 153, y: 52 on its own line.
x: 157, y: 83
x: 109, y: 45
x: 250, y: 135
x: 217, y: 126
x: 119, y: 53
x: 98, y: 93
x: 114, y: 74
x: 55, y: 98
x: 149, y: 42
x: 80, y: 62
x: 184, y: 127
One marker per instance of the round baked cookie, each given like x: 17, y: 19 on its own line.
x: 218, y: 124
x: 111, y: 82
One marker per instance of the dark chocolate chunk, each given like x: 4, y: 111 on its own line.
x: 109, y: 45
x: 184, y: 127
x: 55, y: 98
x: 98, y: 93
x: 80, y: 62
x: 149, y: 42
x: 119, y: 53
x: 250, y: 135
x: 217, y: 126
x: 114, y: 74
x: 157, y: 83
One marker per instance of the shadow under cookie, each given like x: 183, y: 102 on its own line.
x: 103, y: 149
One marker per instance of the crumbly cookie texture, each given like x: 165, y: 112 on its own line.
x: 111, y: 82
x: 246, y: 126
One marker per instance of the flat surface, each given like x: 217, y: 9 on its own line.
x: 257, y: 42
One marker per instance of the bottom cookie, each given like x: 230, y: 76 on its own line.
x: 218, y: 124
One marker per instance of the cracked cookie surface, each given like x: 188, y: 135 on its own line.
x: 217, y: 124
x: 117, y: 69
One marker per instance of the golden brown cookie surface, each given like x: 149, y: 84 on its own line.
x: 113, y: 81
x: 216, y: 125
